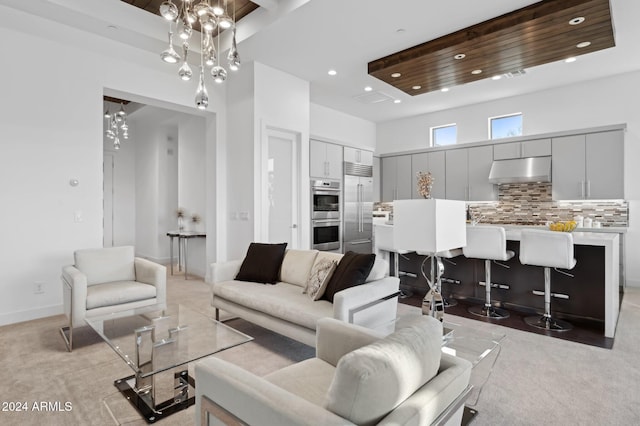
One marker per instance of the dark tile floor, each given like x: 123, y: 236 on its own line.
x: 583, y: 332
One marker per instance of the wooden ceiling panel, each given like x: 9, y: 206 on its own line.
x: 243, y: 7
x: 535, y: 35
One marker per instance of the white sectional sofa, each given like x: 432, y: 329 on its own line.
x: 283, y: 308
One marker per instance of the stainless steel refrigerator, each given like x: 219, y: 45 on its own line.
x: 358, y: 208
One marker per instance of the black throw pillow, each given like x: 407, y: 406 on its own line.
x: 262, y: 263
x: 352, y: 270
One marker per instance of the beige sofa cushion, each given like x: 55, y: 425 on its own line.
x: 105, y: 265
x: 373, y: 380
x: 282, y: 300
x: 309, y: 379
x: 296, y: 266
x: 117, y: 293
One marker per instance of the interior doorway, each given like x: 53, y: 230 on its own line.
x: 281, y: 197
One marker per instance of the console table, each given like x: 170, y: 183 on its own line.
x: 183, y: 239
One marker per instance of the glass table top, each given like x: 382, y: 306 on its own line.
x: 151, y: 341
x: 469, y: 343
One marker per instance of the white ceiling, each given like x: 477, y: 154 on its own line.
x: 308, y: 37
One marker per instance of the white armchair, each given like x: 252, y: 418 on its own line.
x: 107, y: 280
x: 357, y: 377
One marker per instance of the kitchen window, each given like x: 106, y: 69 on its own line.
x: 444, y: 135
x: 505, y: 126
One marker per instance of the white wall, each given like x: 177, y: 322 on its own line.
x: 52, y: 122
x: 237, y: 167
x: 260, y: 97
x: 282, y: 102
x: 192, y: 185
x: 334, y: 126
x: 606, y: 101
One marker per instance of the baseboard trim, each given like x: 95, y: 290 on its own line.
x: 633, y: 283
x: 31, y: 314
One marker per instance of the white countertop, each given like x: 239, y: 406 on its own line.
x: 581, y: 236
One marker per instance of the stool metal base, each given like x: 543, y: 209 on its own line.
x: 488, y: 312
x: 449, y: 302
x: 547, y: 323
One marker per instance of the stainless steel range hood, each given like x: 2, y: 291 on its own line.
x: 521, y: 170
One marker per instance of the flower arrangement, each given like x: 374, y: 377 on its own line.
x: 425, y: 183
x: 180, y: 214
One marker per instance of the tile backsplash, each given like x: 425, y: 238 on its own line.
x: 531, y: 203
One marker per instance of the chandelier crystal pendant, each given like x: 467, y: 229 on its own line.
x: 185, y: 72
x: 233, y: 57
x: 210, y: 17
x: 116, y: 126
x: 170, y: 55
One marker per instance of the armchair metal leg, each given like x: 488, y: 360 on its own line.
x: 68, y: 341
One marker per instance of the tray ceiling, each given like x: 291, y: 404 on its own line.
x: 544, y: 32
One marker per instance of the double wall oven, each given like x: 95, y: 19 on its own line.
x: 325, y: 215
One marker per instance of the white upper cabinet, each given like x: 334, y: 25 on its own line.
x: 480, y: 189
x: 396, y: 178
x: 588, y: 166
x: 433, y: 162
x: 325, y: 160
x: 532, y: 148
x: 467, y: 174
x: 359, y: 156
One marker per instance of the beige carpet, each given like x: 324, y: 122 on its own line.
x: 536, y: 379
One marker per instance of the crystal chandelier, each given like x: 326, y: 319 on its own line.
x: 211, y: 18
x: 116, y: 126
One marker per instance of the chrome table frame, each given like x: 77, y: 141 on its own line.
x: 183, y: 239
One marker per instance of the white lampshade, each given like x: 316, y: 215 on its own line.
x: 430, y: 225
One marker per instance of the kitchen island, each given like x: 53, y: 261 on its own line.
x: 593, y: 292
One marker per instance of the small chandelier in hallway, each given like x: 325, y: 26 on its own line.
x: 116, y: 126
x: 211, y: 18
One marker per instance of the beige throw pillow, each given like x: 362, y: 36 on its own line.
x: 319, y: 277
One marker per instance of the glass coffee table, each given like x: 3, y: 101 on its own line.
x: 479, y: 347
x: 158, y: 345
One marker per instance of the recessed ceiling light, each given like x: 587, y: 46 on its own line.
x: 583, y: 44
x: 396, y: 75
x: 476, y: 72
x: 459, y: 56
x: 396, y: 101
x: 368, y: 89
x: 444, y: 89
x: 569, y: 60
x: 577, y: 20
x: 416, y: 87
x: 332, y: 72
x: 400, y: 30
x: 496, y: 77
x: 112, y: 27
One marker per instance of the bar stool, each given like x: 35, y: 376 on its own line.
x: 490, y: 244
x: 404, y: 293
x: 437, y: 263
x: 548, y: 249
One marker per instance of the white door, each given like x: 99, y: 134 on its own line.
x: 281, y: 196
x: 107, y: 201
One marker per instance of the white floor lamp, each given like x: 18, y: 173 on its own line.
x: 430, y: 226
